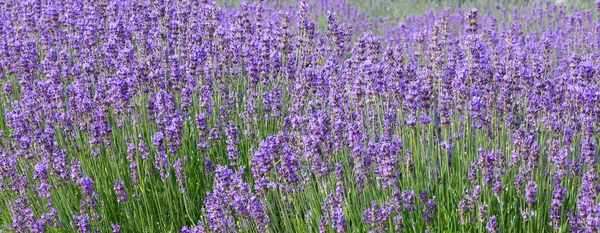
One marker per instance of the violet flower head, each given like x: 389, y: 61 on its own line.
x: 86, y: 186
x: 41, y: 171
x: 158, y: 141
x: 144, y: 151
x: 408, y: 198
x: 530, y: 193
x: 333, y: 209
x: 116, y: 228
x: 398, y: 223
x: 463, y: 209
x: 482, y: 210
x: 376, y: 218
x: 82, y: 222
x: 385, y: 164
x: 179, y: 174
x: 232, y: 142
x: 76, y: 172
x: 558, y: 194
x: 131, y: 151
x: 134, y: 175
x: 119, y: 188
x: 231, y: 197
x: 492, y: 225
x: 200, y: 228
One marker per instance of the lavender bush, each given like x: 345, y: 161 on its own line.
x: 182, y: 116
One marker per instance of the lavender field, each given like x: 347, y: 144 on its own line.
x: 192, y: 116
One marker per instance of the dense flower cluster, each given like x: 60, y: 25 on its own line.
x: 168, y: 116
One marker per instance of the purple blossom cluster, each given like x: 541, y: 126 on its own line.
x: 266, y: 117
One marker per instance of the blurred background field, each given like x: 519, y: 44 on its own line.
x: 400, y: 9
x: 403, y: 8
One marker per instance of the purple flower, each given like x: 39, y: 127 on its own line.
x: 116, y: 228
x: 231, y: 197
x: 178, y: 166
x: 527, y: 213
x: 161, y: 163
x: 429, y: 206
x: 76, y: 172
x: 119, y: 188
x: 8, y: 88
x: 408, y: 161
x: 41, y: 171
x: 208, y: 166
x: 530, y: 193
x: 131, y: 151
x: 333, y: 209
x: 59, y: 164
x: 200, y: 228
x: 398, y: 223
x: 232, y: 142
x: 385, y: 164
x: 44, y: 190
x: 134, y: 175
x: 473, y: 196
x: 201, y: 122
x: 492, y: 225
x: 289, y: 169
x: 463, y: 209
x: 82, y: 222
x: 323, y: 225
x: 174, y: 132
x: 558, y: 194
x: 377, y: 218
x: 158, y: 141
x: 482, y: 209
x: 86, y: 186
x: 408, y: 198
x: 263, y: 161
x: 144, y: 152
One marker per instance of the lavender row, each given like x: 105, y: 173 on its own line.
x: 169, y: 116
